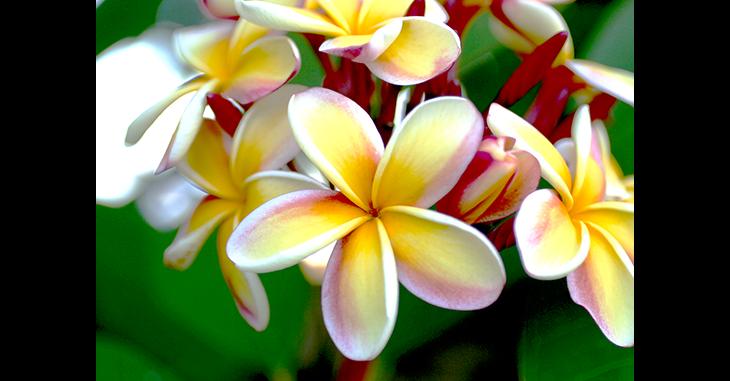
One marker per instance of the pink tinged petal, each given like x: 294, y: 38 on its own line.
x: 490, y: 185
x: 360, y: 292
x: 340, y: 139
x: 604, y: 285
x: 205, y: 47
x: 363, y: 48
x: 206, y: 162
x: 263, y: 140
x: 616, y: 218
x: 503, y: 122
x: 263, y: 67
x: 535, y: 23
x: 188, y: 127
x: 287, y: 18
x: 192, y: 234
x: 287, y: 229
x: 616, y: 82
x: 442, y: 260
x: 246, y: 287
x: 589, y: 185
x: 264, y: 186
x: 550, y: 243
x: 482, y: 181
x: 423, y: 50
x: 428, y: 153
x: 487, y: 188
x: 140, y: 125
x: 524, y: 182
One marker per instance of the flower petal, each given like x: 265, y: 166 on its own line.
x: 223, y: 9
x: 206, y: 162
x: 246, y: 287
x: 616, y: 82
x: 428, y: 153
x: 263, y: 67
x: 363, y: 48
x: 423, y: 50
x: 303, y: 165
x: 263, y: 140
x: 313, y: 266
x: 264, y: 186
x: 589, y: 182
x: 187, y: 129
x: 140, y: 125
x: 550, y: 243
x: 535, y: 22
x: 360, y: 292
x: 169, y: 201
x: 287, y: 229
x: 205, y: 47
x: 287, y: 18
x: 503, y: 122
x: 482, y: 182
x: 604, y: 285
x: 373, y: 12
x: 617, y: 218
x: 244, y: 34
x: 525, y: 181
x: 192, y: 234
x: 615, y: 188
x: 343, y: 12
x: 340, y: 139
x: 442, y: 260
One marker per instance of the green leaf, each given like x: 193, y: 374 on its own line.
x: 560, y: 340
x: 118, y: 360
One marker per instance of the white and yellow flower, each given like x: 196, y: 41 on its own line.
x: 397, y: 49
x: 239, y: 174
x: 237, y: 59
x: 575, y: 230
x: 383, y: 232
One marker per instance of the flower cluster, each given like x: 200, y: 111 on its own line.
x: 388, y: 169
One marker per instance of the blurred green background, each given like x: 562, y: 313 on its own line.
x: 153, y: 323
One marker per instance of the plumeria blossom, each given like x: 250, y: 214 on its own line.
x: 383, y: 232
x: 239, y: 174
x: 397, y: 49
x: 237, y: 59
x: 574, y: 230
x: 494, y: 184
